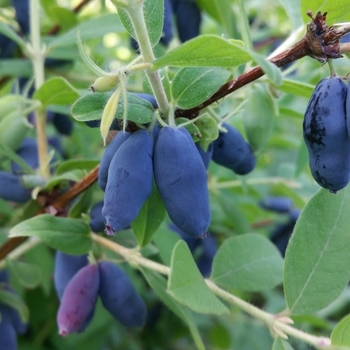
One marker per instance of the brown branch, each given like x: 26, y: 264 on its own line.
x: 320, y: 42
x: 57, y: 204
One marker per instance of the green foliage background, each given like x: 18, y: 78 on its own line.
x: 312, y: 281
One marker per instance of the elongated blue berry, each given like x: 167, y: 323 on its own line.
x: 130, y: 180
x: 97, y: 222
x: 110, y: 151
x: 78, y: 299
x: 277, y: 204
x: 233, y: 152
x: 181, y: 179
x: 8, y: 337
x: 119, y: 296
x: 66, y: 266
x: 11, y: 188
x: 326, y: 136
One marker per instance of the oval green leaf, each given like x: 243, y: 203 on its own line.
x: 259, y: 114
x: 149, y: 219
x: 317, y: 263
x: 341, y: 333
x: 90, y: 107
x: 56, y: 91
x: 187, y: 286
x: 29, y: 275
x: 205, y: 51
x: 193, y: 85
x: 247, y: 262
x: 158, y: 284
x: 70, y: 236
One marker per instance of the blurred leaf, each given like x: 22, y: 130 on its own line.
x: 302, y: 159
x: 165, y: 240
x: 271, y: 70
x: 94, y: 28
x: 248, y: 262
x: 56, y: 91
x: 292, y: 9
x: 10, y: 33
x: 73, y: 175
x: 153, y: 13
x: 73, y: 164
x: 338, y: 10
x: 205, y: 51
x: 81, y: 204
x: 208, y: 128
x: 341, y: 333
x: 221, y: 11
x: 298, y: 88
x: 66, y: 18
x: 13, y: 67
x: 158, y: 284
x: 13, y: 300
x: 29, y: 275
x: 91, y: 106
x: 7, y: 152
x: 187, y: 285
x: 41, y: 255
x: 149, y: 219
x: 259, y: 114
x: 13, y: 129
x: 280, y: 344
x: 70, y: 236
x: 193, y: 85
x: 316, y: 263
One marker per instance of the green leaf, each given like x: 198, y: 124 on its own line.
x: 90, y: 107
x: 259, y: 116
x: 70, y: 236
x: 248, y: 262
x: 205, y: 51
x: 316, y: 262
x: 292, y: 9
x: 15, y: 301
x: 149, y: 219
x: 10, y: 33
x: 73, y: 175
x: 81, y: 204
x: 73, y: 164
x: 193, y: 85
x: 41, y: 255
x: 165, y: 240
x: 158, y: 284
x: 271, y: 70
x: 94, y: 28
x: 29, y: 275
x: 222, y: 11
x: 153, y: 13
x: 65, y: 17
x: 280, y: 344
x: 13, y: 129
x: 338, y: 10
x: 15, y: 67
x: 298, y: 88
x: 208, y: 128
x: 341, y: 333
x: 10, y: 154
x: 187, y: 285
x: 56, y: 91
